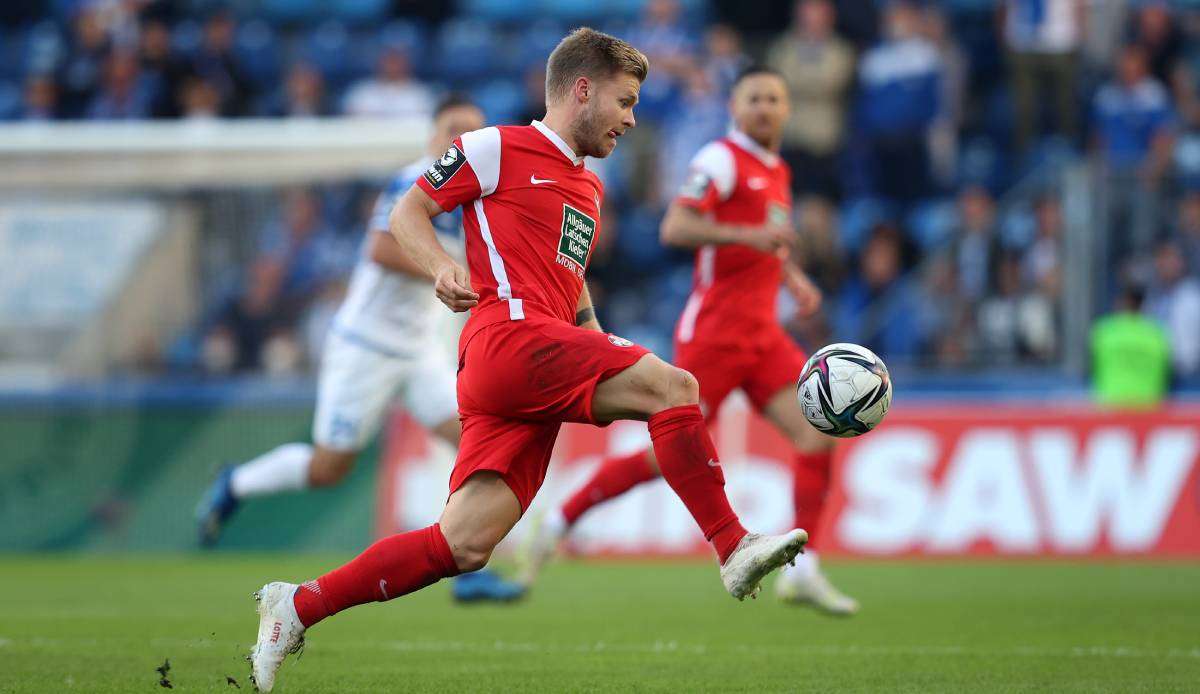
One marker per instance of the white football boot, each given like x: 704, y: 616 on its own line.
x: 804, y: 584
x: 546, y: 533
x: 755, y: 557
x: 280, y: 633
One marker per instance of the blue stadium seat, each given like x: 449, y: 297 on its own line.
x: 500, y: 10
x: 260, y: 53
x: 358, y: 12
x: 1017, y: 227
x: 186, y: 37
x: 291, y: 11
x: 329, y: 49
x: 42, y: 49
x: 536, y: 42
x: 573, y: 11
x: 858, y: 217
x: 931, y: 223
x: 502, y: 100
x: 467, y: 50
x: 410, y: 37
x: 10, y: 100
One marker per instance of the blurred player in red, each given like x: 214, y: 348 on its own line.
x: 735, y: 210
x: 532, y: 354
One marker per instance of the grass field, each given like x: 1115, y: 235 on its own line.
x: 74, y: 624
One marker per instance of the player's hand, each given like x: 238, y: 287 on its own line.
x: 806, y: 294
x: 453, y: 287
x: 769, y: 238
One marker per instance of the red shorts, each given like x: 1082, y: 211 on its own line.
x: 761, y: 369
x: 517, y: 382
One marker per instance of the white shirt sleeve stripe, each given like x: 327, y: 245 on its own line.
x: 482, y: 148
x: 715, y: 160
x: 503, y: 289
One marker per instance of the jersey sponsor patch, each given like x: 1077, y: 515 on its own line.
x: 575, y: 242
x: 619, y: 341
x: 695, y: 186
x: 444, y: 169
x: 778, y: 214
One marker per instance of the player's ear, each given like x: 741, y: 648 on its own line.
x: 583, y: 89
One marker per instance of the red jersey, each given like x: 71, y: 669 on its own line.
x: 531, y: 215
x: 739, y: 182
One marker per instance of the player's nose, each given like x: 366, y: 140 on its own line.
x: 629, y: 121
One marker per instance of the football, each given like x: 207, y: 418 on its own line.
x: 844, y: 390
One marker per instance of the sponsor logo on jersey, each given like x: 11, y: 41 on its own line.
x: 619, y: 341
x: 575, y: 242
x: 757, y: 183
x: 444, y: 169
x: 778, y: 215
x: 695, y: 186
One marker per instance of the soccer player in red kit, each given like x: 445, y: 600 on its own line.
x: 735, y: 210
x: 532, y: 354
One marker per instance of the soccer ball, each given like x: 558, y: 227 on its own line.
x: 844, y: 390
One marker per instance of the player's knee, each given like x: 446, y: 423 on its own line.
x: 471, y: 557
x: 326, y: 471
x: 680, y: 388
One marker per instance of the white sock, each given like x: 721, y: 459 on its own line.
x: 555, y: 522
x: 283, y: 469
x: 806, y: 567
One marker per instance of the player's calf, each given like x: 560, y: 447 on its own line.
x: 329, y: 467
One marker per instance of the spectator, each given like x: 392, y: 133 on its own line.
x: 818, y: 67
x: 1133, y: 138
x: 1043, y: 259
x: 1158, y: 33
x: 1043, y: 38
x: 723, y: 56
x: 944, y: 135
x: 1015, y: 323
x: 974, y: 245
x: 699, y: 115
x: 1187, y: 229
x: 1133, y: 121
x: 83, y: 67
x: 298, y: 256
x: 125, y: 95
x: 216, y: 63
x: 876, y: 307
x: 165, y: 70
x: 899, y: 102
x: 392, y: 93
x: 945, y: 314
x: 1174, y: 300
x: 200, y: 100
x: 662, y: 36
x: 1128, y: 337
x: 303, y: 95
x: 40, y: 102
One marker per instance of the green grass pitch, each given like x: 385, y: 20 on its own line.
x: 105, y: 624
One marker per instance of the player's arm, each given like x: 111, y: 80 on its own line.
x: 585, y: 312
x: 803, y: 290
x: 686, y: 226
x: 413, y: 231
x: 384, y: 250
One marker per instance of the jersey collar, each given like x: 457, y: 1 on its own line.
x: 558, y: 142
x: 747, y: 143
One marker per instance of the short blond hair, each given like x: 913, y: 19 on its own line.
x: 586, y: 52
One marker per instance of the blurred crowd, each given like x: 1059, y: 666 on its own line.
x: 926, y: 141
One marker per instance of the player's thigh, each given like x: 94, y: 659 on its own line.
x: 650, y: 385
x: 772, y: 390
x: 517, y: 450
x: 355, y: 389
x: 430, y: 395
x: 540, y: 370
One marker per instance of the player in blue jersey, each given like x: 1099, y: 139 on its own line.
x: 390, y: 341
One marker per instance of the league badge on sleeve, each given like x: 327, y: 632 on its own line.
x: 696, y: 185
x: 444, y: 169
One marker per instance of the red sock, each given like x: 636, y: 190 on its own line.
x: 688, y: 461
x: 391, y: 567
x: 614, y: 477
x: 810, y: 484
